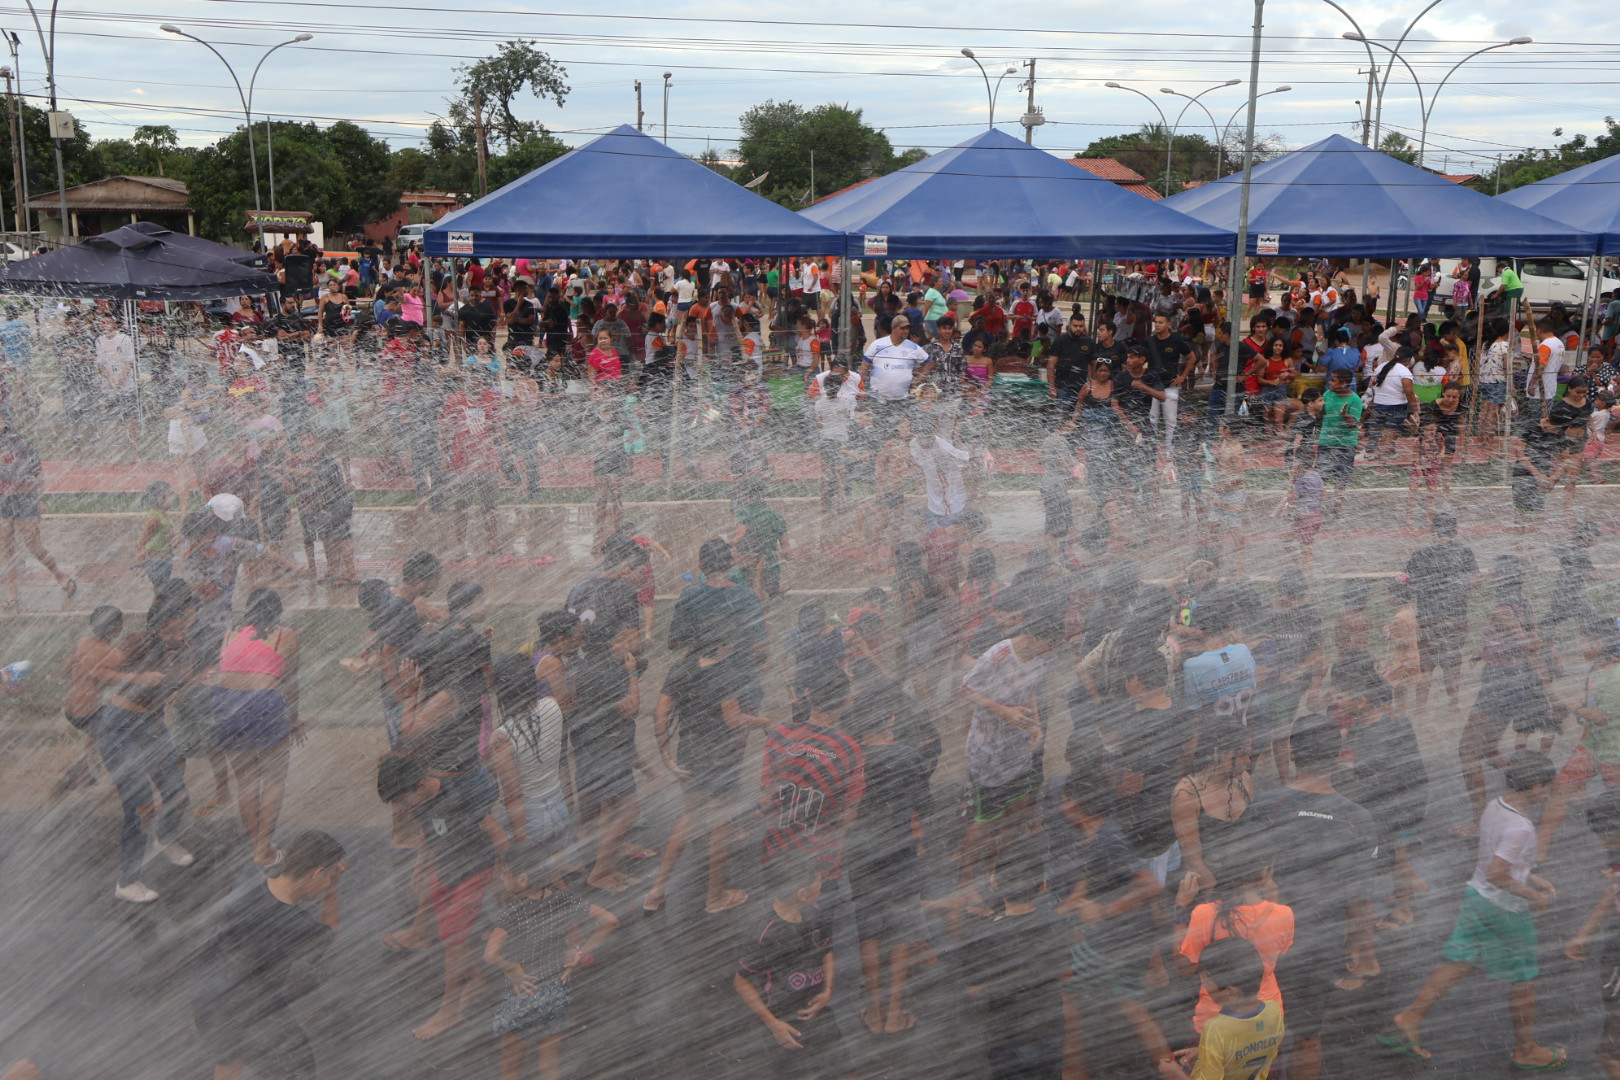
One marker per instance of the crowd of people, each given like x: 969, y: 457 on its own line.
x: 1232, y: 811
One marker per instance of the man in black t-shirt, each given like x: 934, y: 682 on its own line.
x: 1068, y: 364
x: 459, y: 845
x: 293, y: 334
x: 1139, y: 391
x: 1169, y: 355
x: 521, y: 316
x: 477, y: 320
x: 263, y: 953
x: 606, y: 601
x: 1106, y: 348
x: 1440, y: 576
x: 1322, y: 848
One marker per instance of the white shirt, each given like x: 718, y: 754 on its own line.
x: 892, y: 366
x: 849, y: 391
x: 1555, y: 354
x: 115, y: 358
x: 941, y: 465
x: 810, y: 277
x: 1507, y: 834
x: 684, y: 291
x: 1391, y: 391
x: 1050, y: 317
x: 833, y: 416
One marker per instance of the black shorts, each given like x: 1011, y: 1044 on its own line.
x: 473, y: 489
x: 1335, y: 463
x: 19, y: 507
x: 823, y: 1056
x: 121, y: 406
x: 1528, y: 495
x: 1440, y: 642
x: 604, y: 760
x: 1257, y: 290
x: 1313, y: 1001
x: 716, y: 771
x: 329, y: 528
x: 1059, y: 511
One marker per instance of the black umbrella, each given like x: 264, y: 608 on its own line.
x: 140, y: 262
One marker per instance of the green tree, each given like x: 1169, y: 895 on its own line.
x: 780, y: 137
x: 340, y: 174
x: 1399, y: 147
x: 523, y: 157
x: 481, y: 112
x: 155, y: 139
x: 1533, y: 165
x: 1194, y: 157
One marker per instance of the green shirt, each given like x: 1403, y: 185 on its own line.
x: 1340, y: 430
x: 1510, y: 281
x: 773, y: 278
x: 937, y: 307
x: 765, y: 531
x: 1603, y: 694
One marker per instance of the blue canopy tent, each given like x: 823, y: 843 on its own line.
x: 1586, y: 198
x: 995, y: 196
x: 625, y: 195
x: 1337, y: 197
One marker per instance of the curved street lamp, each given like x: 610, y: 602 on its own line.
x: 990, y: 94
x: 1423, y: 138
x: 1227, y: 127
x: 1164, y: 122
x: 246, y: 98
x: 1192, y: 99
x: 1380, y: 84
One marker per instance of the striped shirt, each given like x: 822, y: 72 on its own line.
x: 815, y: 776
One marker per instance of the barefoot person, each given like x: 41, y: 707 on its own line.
x: 1495, y: 930
x: 258, y: 958
x: 82, y: 705
x: 256, y: 711
x: 458, y: 846
x: 21, y: 484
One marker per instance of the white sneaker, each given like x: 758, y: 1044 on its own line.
x: 176, y: 854
x: 135, y: 893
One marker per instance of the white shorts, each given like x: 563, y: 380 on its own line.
x: 185, y: 438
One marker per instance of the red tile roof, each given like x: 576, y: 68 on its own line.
x: 1143, y: 190
x: 1109, y: 169
x: 1460, y: 178
x: 841, y: 190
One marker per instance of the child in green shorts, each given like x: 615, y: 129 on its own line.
x: 1495, y: 929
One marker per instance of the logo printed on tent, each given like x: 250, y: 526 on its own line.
x: 459, y: 243
x: 1267, y: 244
x: 877, y: 245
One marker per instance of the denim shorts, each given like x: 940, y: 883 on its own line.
x: 1493, y: 393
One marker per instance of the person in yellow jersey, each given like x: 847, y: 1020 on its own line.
x: 1241, y: 1041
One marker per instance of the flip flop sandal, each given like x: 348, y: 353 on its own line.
x: 1558, y: 1062
x: 1400, y: 1044
x: 208, y: 809
x: 734, y: 898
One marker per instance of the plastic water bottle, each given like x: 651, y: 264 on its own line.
x: 12, y: 676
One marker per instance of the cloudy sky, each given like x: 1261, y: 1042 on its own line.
x: 390, y: 66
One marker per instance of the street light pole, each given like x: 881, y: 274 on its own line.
x: 989, y: 96
x: 247, y: 97
x: 666, y: 108
x: 1234, y: 273
x: 15, y: 44
x: 1162, y: 121
x: 48, y: 48
x: 1227, y: 127
x: 1192, y: 99
x: 1423, y: 138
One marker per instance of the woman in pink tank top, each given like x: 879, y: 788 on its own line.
x: 256, y: 714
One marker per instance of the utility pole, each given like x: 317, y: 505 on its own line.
x: 16, y: 159
x: 1366, y: 113
x: 1029, y: 111
x: 1499, y: 174
x: 483, y: 153
x: 638, y: 105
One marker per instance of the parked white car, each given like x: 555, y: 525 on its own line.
x: 1546, y: 281
x: 410, y: 234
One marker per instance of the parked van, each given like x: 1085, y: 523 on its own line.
x: 410, y: 234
